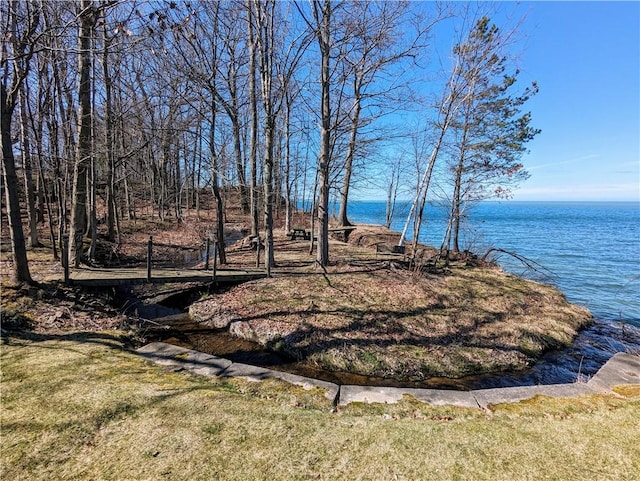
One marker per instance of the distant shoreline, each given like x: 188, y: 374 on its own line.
x: 511, y: 201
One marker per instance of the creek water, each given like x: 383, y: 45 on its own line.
x: 590, y: 350
x: 589, y: 250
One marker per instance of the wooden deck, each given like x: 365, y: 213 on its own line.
x: 123, y: 276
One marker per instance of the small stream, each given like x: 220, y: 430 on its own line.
x: 593, y: 347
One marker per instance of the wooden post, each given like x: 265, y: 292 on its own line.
x: 149, y: 251
x: 215, y: 262
x: 65, y: 258
x: 258, y: 252
x: 206, y: 256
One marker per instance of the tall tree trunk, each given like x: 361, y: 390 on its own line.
x: 446, y: 241
x: 266, y: 40
x: 40, y: 199
x: 277, y: 173
x: 108, y: 137
x: 83, y: 149
x: 61, y: 129
x: 219, y: 209
x: 177, y: 184
x: 93, y: 209
x: 216, y: 188
x: 30, y: 195
x: 92, y: 181
x: 17, y: 70
x: 323, y: 23
x: 287, y: 167
x: 455, y: 202
x: 269, y: 257
x: 253, y: 105
x: 18, y: 247
x: 343, y: 220
x: 237, y: 149
x: 198, y: 149
x: 313, y: 211
x: 392, y: 195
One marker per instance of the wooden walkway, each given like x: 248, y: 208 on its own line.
x: 123, y: 276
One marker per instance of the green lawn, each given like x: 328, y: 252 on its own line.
x: 83, y: 407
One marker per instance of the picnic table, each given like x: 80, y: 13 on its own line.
x: 299, y: 232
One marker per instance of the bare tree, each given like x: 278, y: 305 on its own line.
x: 265, y: 20
x: 87, y: 15
x: 446, y: 109
x: 29, y: 187
x: 230, y: 66
x: 195, y: 34
x: 59, y: 111
x: 287, y: 65
x: 377, y: 40
x: 322, y: 27
x: 253, y: 106
x: 109, y: 132
x: 215, y: 168
x: 22, y: 22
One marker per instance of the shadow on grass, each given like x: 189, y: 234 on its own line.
x: 116, y: 341
x: 121, y: 341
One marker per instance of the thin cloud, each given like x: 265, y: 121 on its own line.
x: 564, y: 162
x: 621, y: 192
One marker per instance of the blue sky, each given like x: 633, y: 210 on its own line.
x: 586, y: 59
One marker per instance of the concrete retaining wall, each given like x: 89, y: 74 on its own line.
x: 621, y: 369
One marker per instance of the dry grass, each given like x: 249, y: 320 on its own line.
x: 81, y: 407
x: 51, y: 307
x: 361, y: 315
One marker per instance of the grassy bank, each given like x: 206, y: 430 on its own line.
x: 370, y: 315
x: 80, y: 406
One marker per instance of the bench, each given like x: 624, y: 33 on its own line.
x: 383, y: 247
x: 298, y: 232
x: 342, y: 233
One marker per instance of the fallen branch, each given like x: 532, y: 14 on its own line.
x: 529, y: 263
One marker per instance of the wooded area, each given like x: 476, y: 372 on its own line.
x: 116, y: 109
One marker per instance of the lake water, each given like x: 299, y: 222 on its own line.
x: 589, y: 250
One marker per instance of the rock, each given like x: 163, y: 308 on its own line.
x: 264, y: 331
x: 210, y: 313
x: 244, y: 330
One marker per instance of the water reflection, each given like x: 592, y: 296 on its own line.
x: 591, y: 349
